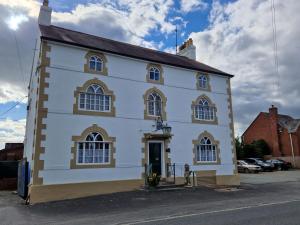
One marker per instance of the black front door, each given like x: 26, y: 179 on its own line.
x: 155, y: 157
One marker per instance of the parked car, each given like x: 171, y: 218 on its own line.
x: 245, y: 167
x: 265, y: 166
x: 280, y: 164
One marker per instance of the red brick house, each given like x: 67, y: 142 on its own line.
x: 281, y: 132
x: 12, y: 152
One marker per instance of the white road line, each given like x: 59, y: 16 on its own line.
x: 209, y: 212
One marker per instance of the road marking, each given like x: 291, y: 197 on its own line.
x: 209, y: 212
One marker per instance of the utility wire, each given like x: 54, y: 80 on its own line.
x: 20, y: 60
x: 275, y: 49
x: 12, y: 107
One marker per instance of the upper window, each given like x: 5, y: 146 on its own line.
x: 203, y: 82
x: 95, y: 63
x: 206, y: 151
x: 154, y: 74
x: 94, y: 150
x: 154, y: 104
x: 94, y: 99
x: 204, y: 111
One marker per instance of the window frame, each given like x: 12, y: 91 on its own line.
x: 213, y: 141
x: 158, y: 67
x: 200, y: 87
x: 83, y: 91
x: 94, y: 150
x: 74, y: 161
x: 205, y: 145
x: 86, y: 94
x: 102, y: 57
x: 163, y: 104
x: 209, y: 111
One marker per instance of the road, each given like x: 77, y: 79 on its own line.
x: 272, y: 202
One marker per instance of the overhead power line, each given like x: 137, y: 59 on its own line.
x: 13, y: 106
x: 275, y: 49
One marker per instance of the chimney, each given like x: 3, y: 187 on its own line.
x: 273, y: 115
x: 45, y: 14
x: 188, y: 49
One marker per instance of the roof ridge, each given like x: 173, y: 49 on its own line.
x: 154, y: 50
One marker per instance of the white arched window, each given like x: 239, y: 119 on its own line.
x: 154, y: 74
x: 95, y: 63
x: 94, y: 99
x: 154, y: 104
x: 94, y: 150
x: 203, y: 81
x: 206, y: 151
x: 204, y: 111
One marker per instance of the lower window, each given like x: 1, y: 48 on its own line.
x: 206, y: 151
x: 93, y: 151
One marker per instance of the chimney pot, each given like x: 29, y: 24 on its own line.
x: 188, y: 49
x: 45, y: 14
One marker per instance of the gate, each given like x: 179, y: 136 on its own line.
x: 23, y: 178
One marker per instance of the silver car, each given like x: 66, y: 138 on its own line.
x: 245, y: 167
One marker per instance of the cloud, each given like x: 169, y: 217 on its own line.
x: 11, y: 131
x: 129, y: 21
x: 239, y: 41
x: 187, y: 6
x: 123, y: 20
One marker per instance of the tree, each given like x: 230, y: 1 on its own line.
x: 257, y: 149
x: 261, y: 148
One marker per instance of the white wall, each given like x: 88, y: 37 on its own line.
x: 66, y: 73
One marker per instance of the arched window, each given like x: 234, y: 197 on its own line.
x: 95, y: 63
x: 94, y: 150
x: 203, y: 82
x: 94, y: 99
x: 206, y: 151
x: 154, y: 74
x: 154, y: 104
x: 203, y: 110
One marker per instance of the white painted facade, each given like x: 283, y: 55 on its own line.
x: 127, y: 79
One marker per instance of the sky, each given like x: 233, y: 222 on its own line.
x: 235, y: 36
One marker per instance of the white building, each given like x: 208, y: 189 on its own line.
x: 93, y: 106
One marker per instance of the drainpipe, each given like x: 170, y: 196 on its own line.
x: 293, y: 156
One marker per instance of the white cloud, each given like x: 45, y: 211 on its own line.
x: 11, y: 131
x: 14, y: 21
x: 239, y: 41
x: 192, y: 5
x: 130, y: 21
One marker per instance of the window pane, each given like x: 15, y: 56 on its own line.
x: 99, y: 66
x: 106, y: 156
x: 107, y: 102
x: 81, y: 100
x: 92, y: 65
x: 80, y: 153
x: 152, y: 75
x: 157, y: 108
x: 151, y: 108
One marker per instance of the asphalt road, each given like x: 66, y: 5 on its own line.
x: 261, y: 203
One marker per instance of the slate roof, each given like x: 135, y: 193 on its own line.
x: 72, y: 37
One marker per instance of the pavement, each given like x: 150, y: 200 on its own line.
x: 266, y: 198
